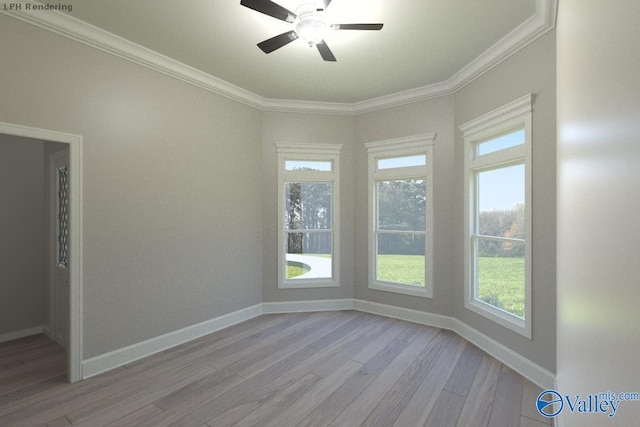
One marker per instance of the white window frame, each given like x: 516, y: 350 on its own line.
x: 515, y: 115
x: 309, y: 152
x: 401, y: 147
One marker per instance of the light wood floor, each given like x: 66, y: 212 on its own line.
x: 313, y: 369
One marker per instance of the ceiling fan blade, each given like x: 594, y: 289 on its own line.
x: 325, y: 52
x: 270, y: 8
x: 278, y: 41
x: 373, y: 27
x: 323, y: 4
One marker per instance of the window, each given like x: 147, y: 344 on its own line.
x: 308, y: 212
x: 400, y: 215
x: 498, y: 215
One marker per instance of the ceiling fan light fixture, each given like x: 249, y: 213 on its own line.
x: 308, y: 23
x: 311, y: 28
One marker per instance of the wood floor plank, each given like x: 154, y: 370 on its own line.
x: 13, y: 380
x: 296, y: 364
x: 506, y: 407
x: 191, y: 398
x: 263, y: 409
x: 528, y: 422
x: 366, y: 401
x: 398, y: 394
x: 59, y: 422
x: 141, y: 394
x: 296, y: 326
x: 335, y: 369
x: 307, y: 403
x: 271, y: 354
x: 347, y: 349
x: 326, y: 411
x: 461, y: 378
x: 135, y: 417
x: 477, y: 407
x: 421, y: 402
x: 447, y: 410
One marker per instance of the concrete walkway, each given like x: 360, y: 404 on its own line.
x: 319, y: 267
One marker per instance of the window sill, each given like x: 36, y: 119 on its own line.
x: 418, y: 291
x: 501, y: 317
x: 308, y: 284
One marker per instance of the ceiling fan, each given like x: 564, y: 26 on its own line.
x: 309, y: 23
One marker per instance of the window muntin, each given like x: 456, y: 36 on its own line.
x: 498, y: 211
x: 308, y: 230
x: 499, y: 238
x: 400, y: 200
x: 400, y: 232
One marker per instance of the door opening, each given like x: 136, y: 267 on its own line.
x: 70, y: 300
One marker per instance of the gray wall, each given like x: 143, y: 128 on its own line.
x: 599, y: 204
x: 435, y: 115
x: 22, y: 235
x: 172, y: 212
x: 531, y: 70
x: 180, y: 187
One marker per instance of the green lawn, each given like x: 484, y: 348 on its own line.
x: 406, y: 269
x: 501, y: 280
x: 501, y: 283
x: 294, y: 271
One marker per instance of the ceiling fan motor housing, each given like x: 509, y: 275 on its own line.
x: 310, y: 23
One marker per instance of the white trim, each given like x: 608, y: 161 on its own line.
x: 307, y: 306
x: 90, y: 35
x: 480, y: 127
x: 533, y: 372
x: 308, y: 149
x: 120, y: 357
x: 10, y: 336
x: 313, y: 152
x: 399, y: 147
x: 74, y: 352
x: 407, y: 314
x: 543, y: 21
x: 517, y: 113
x: 105, y: 362
x: 402, y: 145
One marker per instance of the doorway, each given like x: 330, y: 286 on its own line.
x: 69, y: 303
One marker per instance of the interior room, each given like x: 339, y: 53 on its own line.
x: 171, y: 137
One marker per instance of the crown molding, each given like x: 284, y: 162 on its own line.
x: 59, y: 23
x: 90, y: 35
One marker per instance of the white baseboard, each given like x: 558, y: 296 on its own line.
x: 105, y: 362
x: 533, y: 372
x: 515, y: 361
x: 21, y: 334
x: 304, y: 306
x: 415, y: 316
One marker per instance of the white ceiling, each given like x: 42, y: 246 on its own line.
x: 426, y: 48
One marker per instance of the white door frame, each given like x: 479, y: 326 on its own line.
x: 74, y: 352
x: 58, y: 274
